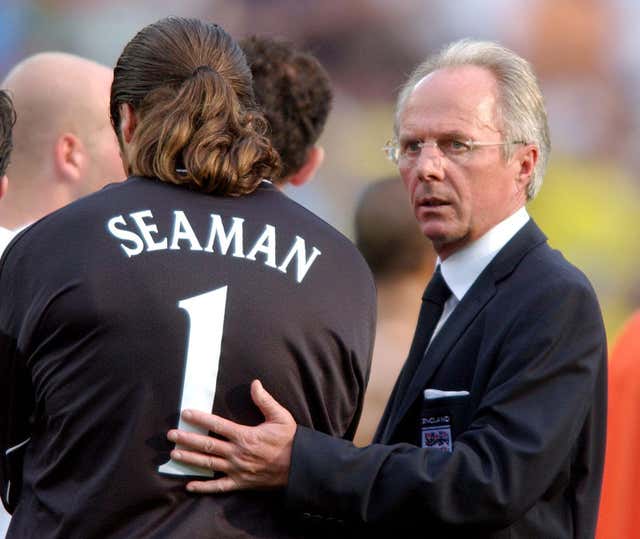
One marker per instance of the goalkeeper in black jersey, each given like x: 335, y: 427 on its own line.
x: 171, y: 290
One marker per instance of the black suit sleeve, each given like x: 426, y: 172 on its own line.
x: 530, y: 419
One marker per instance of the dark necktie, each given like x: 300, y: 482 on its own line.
x: 433, y: 300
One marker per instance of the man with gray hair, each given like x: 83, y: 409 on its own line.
x: 64, y: 147
x: 496, y: 425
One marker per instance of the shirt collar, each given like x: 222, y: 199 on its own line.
x: 462, y: 268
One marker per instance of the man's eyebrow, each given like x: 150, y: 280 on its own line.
x: 407, y: 136
x: 445, y: 134
x: 454, y: 133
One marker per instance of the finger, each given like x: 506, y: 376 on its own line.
x: 214, y: 423
x: 200, y: 442
x: 202, y: 460
x: 224, y: 484
x: 270, y: 407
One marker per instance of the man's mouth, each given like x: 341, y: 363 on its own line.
x: 433, y: 202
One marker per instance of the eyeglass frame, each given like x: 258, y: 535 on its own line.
x: 392, y: 147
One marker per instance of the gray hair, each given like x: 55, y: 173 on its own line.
x: 521, y: 106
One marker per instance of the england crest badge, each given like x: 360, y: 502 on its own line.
x: 436, y: 437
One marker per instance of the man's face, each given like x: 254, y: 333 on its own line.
x: 456, y: 202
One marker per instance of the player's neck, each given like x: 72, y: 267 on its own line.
x: 24, y: 204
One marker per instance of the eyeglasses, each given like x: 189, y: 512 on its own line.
x: 453, y: 149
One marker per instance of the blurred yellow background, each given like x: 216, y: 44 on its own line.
x: 586, y: 53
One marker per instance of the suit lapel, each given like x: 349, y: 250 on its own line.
x: 483, y: 289
x: 460, y: 319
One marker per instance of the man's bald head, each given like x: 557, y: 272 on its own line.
x: 63, y: 131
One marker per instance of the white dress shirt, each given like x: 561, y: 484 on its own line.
x: 462, y: 268
x: 6, y: 235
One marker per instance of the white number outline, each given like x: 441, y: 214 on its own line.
x: 206, y: 322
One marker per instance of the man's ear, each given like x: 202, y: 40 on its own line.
x: 315, y: 157
x: 4, y: 182
x: 128, y: 122
x: 527, y: 158
x: 70, y: 157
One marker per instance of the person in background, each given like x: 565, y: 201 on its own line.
x: 63, y: 144
x: 401, y: 259
x: 7, y: 120
x: 619, y: 515
x: 294, y: 92
x: 187, y: 280
x: 496, y: 425
x: 64, y: 147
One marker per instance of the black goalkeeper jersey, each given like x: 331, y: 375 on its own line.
x: 145, y: 298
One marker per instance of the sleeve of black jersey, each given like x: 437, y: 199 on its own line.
x: 362, y: 362
x: 16, y: 400
x: 363, y: 379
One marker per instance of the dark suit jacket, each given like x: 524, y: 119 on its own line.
x: 527, y: 342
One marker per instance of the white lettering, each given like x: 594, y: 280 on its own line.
x: 146, y: 230
x: 302, y: 263
x: 227, y: 240
x: 125, y: 235
x: 224, y: 238
x: 206, y: 320
x: 266, y: 244
x: 182, y: 230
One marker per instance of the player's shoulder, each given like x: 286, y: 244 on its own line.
x: 63, y: 228
x: 297, y: 216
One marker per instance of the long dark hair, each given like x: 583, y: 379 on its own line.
x: 7, y: 121
x: 198, y: 124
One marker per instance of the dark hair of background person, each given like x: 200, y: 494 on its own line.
x: 7, y: 120
x: 197, y: 122
x: 295, y: 94
x: 386, y: 231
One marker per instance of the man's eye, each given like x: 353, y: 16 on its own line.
x: 412, y: 147
x: 452, y: 145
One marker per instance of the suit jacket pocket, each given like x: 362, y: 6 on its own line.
x: 441, y: 420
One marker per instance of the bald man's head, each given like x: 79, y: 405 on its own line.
x: 63, y: 132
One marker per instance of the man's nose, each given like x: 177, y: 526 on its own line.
x: 430, y: 163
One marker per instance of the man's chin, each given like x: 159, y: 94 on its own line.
x: 445, y: 241
x: 435, y: 232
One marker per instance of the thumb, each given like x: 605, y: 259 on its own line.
x: 269, y: 406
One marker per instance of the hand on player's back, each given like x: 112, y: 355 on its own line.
x: 250, y: 457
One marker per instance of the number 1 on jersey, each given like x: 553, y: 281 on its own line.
x: 206, y: 320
